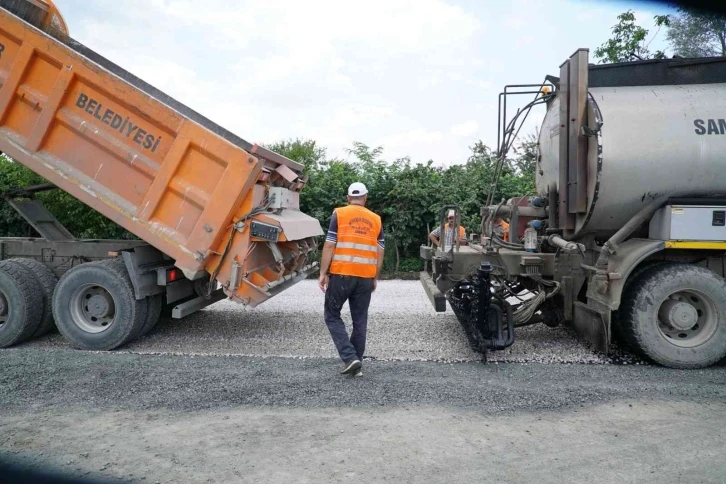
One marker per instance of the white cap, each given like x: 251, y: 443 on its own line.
x: 357, y: 189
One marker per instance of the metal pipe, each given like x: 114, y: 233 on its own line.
x: 563, y: 244
x: 510, y: 322
x: 234, y: 276
x: 601, y: 277
x: 508, y: 211
x: 508, y: 141
x: 514, y: 224
x: 505, y: 140
x: 485, y: 296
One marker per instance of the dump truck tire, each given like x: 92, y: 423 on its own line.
x: 47, y: 282
x: 119, y: 267
x: 675, y: 315
x: 21, y: 304
x: 153, y: 313
x: 95, y: 308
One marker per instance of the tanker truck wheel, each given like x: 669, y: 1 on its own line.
x: 95, y: 308
x: 21, y: 304
x: 634, y: 276
x: 675, y: 315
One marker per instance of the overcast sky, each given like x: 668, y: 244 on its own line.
x: 418, y: 77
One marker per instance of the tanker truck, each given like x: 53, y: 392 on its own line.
x: 625, y: 236
x: 216, y: 217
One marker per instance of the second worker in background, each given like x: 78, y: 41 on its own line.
x: 349, y: 269
x: 435, y: 235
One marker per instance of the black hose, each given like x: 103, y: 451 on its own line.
x: 509, y: 136
x: 485, y: 223
x: 508, y: 245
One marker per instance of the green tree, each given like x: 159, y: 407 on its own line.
x: 525, y: 163
x: 364, y: 153
x: 629, y: 40
x: 306, y: 152
x: 412, y: 206
x: 81, y: 220
x: 14, y: 175
x: 694, y: 33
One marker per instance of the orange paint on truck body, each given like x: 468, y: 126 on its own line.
x: 172, y: 182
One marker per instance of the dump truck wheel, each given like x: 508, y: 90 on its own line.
x: 95, y: 308
x: 21, y: 304
x: 153, y: 313
x: 47, y: 281
x: 675, y: 315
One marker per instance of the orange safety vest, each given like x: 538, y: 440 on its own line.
x: 462, y: 232
x: 356, y: 252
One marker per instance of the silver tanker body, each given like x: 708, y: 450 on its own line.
x: 626, y: 234
x: 654, y: 142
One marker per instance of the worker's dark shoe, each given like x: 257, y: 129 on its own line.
x: 350, y: 367
x: 358, y: 372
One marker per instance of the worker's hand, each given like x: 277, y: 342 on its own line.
x: 375, y: 284
x: 323, y: 282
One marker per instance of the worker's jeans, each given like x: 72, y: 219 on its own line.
x: 357, y: 291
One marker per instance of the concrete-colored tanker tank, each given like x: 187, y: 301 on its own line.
x: 653, y: 141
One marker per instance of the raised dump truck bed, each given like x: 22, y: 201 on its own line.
x: 212, y: 209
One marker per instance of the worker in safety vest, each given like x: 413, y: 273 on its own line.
x: 435, y: 235
x: 501, y: 228
x: 349, y: 269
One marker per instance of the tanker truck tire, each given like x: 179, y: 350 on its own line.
x: 21, y: 304
x: 633, y: 276
x: 95, y: 308
x: 675, y: 315
x: 47, y: 282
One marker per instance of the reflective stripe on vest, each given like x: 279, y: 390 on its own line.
x: 356, y: 260
x: 353, y: 245
x: 356, y: 251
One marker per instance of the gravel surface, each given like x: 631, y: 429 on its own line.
x: 402, y: 326
x: 186, y: 405
x: 124, y: 417
x: 38, y: 378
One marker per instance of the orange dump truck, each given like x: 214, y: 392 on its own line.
x: 217, y: 217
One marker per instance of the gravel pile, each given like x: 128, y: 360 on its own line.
x: 402, y: 326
